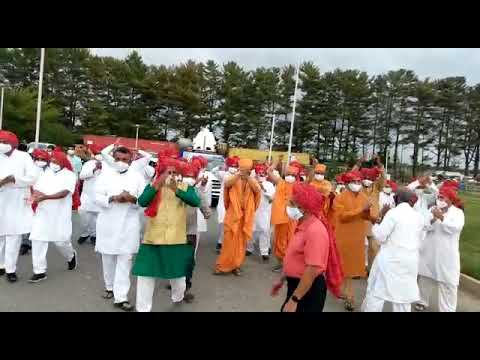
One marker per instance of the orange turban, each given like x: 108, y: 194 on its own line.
x: 245, y: 164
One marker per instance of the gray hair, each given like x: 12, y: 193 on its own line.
x: 404, y: 195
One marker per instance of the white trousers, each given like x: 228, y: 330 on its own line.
x: 146, y: 287
x: 447, y: 294
x: 375, y: 304
x: 89, y: 223
x: 9, y: 248
x: 263, y: 239
x: 220, y: 234
x: 116, y: 274
x: 39, y: 254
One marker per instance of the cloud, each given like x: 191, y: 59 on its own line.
x: 426, y: 62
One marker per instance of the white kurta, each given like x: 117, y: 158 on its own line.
x: 53, y: 218
x: 15, y: 213
x: 89, y: 175
x: 440, y: 254
x: 118, y: 225
x: 222, y: 176
x: 386, y: 199
x: 205, y: 193
x: 264, y: 211
x: 394, y: 272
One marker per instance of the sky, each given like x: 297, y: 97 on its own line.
x: 426, y: 62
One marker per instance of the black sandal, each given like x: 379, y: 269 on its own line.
x: 237, y: 272
x: 125, y: 306
x: 349, y: 306
x: 108, y: 295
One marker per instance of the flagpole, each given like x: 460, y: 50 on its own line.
x: 1, y: 108
x: 39, y: 99
x: 293, y: 115
x: 271, y: 139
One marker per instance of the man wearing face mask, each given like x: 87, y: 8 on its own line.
x: 75, y: 161
x: 242, y: 198
x: 387, y: 196
x: 118, y: 225
x: 325, y: 188
x: 232, y: 168
x: 89, y: 209
x: 340, y: 184
x: 52, y: 194
x: 352, y: 210
x: 261, y: 231
x: 284, y: 225
x: 17, y: 174
x: 393, y: 277
x: 439, y: 267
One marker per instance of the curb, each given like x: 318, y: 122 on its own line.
x: 470, y: 284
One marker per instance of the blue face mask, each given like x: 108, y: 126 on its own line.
x: 294, y: 213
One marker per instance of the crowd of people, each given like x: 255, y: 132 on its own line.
x: 146, y: 218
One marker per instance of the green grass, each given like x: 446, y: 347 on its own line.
x: 470, y: 238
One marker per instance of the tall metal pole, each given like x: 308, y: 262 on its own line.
x: 271, y: 139
x: 39, y: 100
x: 136, y: 137
x: 1, y: 108
x: 293, y: 115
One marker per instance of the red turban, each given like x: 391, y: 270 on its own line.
x: 9, y: 137
x: 308, y: 198
x: 392, y: 184
x: 449, y: 193
x: 370, y: 173
x: 340, y: 179
x: 62, y: 160
x: 232, y: 161
x: 41, y: 154
x: 450, y: 184
x: 352, y: 176
x: 201, y: 161
x: 260, y: 169
x: 190, y: 170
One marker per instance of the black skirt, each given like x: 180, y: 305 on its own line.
x: 314, y: 299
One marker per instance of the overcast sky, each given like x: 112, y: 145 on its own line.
x: 426, y: 62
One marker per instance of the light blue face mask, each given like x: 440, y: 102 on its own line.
x: 294, y: 213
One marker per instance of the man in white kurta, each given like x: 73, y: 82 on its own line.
x: 17, y: 174
x: 52, y: 222
x: 118, y: 225
x: 440, y: 261
x: 387, y: 195
x: 393, y: 276
x: 262, y: 229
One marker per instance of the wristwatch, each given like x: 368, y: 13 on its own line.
x: 295, y: 299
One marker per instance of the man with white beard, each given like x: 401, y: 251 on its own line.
x: 262, y: 229
x: 89, y: 209
x: 118, y: 225
x: 17, y: 174
x: 393, y: 276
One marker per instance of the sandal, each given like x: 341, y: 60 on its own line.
x: 218, y: 272
x: 349, y: 306
x: 237, y: 272
x: 125, y: 306
x: 108, y: 295
x: 420, y: 307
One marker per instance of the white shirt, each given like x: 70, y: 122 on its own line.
x: 222, y: 176
x: 118, y: 225
x: 89, y: 175
x: 264, y: 211
x: 394, y: 272
x: 440, y: 254
x: 53, y: 218
x: 16, y: 213
x: 386, y: 199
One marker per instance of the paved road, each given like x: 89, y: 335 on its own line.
x: 81, y: 290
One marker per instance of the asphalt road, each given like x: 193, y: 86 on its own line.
x: 81, y: 290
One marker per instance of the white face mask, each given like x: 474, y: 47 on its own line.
x: 354, y: 187
x: 41, y: 164
x: 5, y: 148
x: 441, y: 204
x: 55, y: 167
x: 149, y: 172
x: 120, y: 166
x: 98, y: 157
x: 232, y: 170
x: 303, y: 177
x: 387, y: 190
x: 276, y: 173
x: 319, y: 177
x: 71, y: 152
x: 262, y: 178
x: 340, y: 188
x: 189, y: 181
x: 179, y: 178
x: 290, y: 179
x: 367, y: 183
x: 294, y: 213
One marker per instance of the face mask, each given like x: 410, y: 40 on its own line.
x: 232, y: 170
x: 367, y: 183
x: 179, y: 178
x: 189, y: 181
x: 419, y: 192
x: 294, y: 213
x: 98, y: 157
x: 41, y: 163
x: 340, y: 188
x: 303, y: 178
x: 71, y: 152
x: 149, y: 172
x: 121, y: 167
x: 5, y: 148
x: 262, y: 178
x: 55, y: 167
x: 290, y: 179
x: 319, y: 177
x: 387, y: 190
x: 441, y: 204
x: 276, y: 173
x: 354, y: 187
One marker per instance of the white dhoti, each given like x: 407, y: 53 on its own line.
x: 89, y: 223
x: 375, y: 304
x: 39, y: 254
x: 146, y: 287
x: 9, y: 248
x: 116, y: 274
x: 447, y: 294
x: 263, y: 239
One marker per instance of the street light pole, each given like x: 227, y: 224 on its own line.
x: 1, y: 107
x: 136, y: 137
x: 271, y: 139
x: 293, y: 115
x: 39, y: 99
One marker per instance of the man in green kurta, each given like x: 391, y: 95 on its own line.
x: 164, y: 252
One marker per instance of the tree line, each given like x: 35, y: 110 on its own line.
x: 341, y: 114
